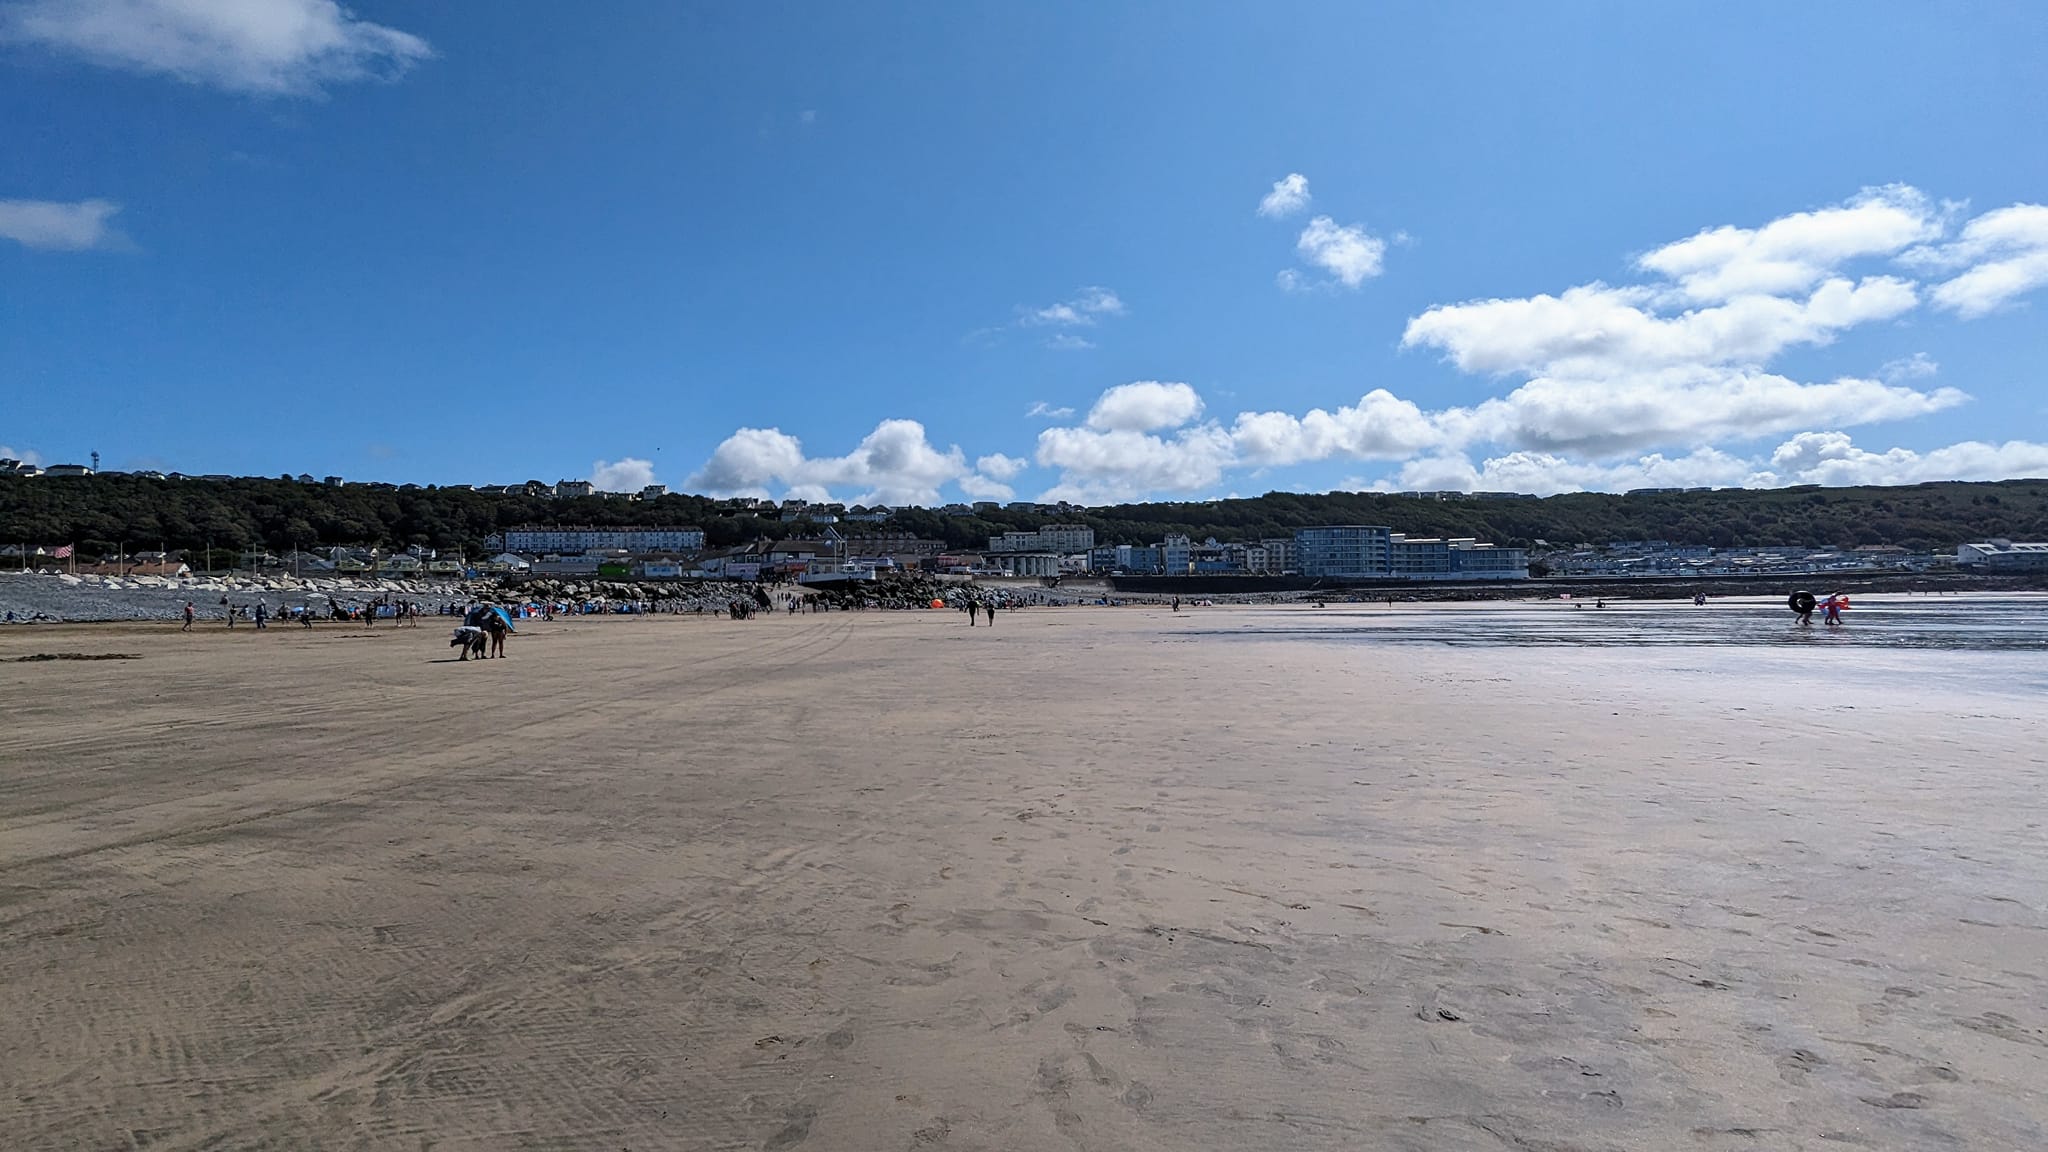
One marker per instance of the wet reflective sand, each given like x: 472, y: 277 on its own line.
x: 1975, y: 622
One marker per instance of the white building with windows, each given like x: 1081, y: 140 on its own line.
x: 574, y: 540
x: 2002, y: 556
x: 1061, y: 539
x: 1375, y: 552
x: 1026, y: 563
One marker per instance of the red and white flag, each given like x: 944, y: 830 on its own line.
x: 61, y: 553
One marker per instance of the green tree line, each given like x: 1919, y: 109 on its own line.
x: 102, y: 513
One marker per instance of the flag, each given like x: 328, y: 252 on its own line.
x: 61, y: 553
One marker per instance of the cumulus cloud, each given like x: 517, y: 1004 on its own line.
x: 1664, y: 383
x: 1085, y: 310
x: 1346, y: 251
x: 1379, y: 427
x: 1143, y: 406
x: 1616, y: 416
x: 22, y: 454
x: 1544, y: 473
x: 1127, y: 447
x: 979, y: 487
x: 1106, y: 466
x: 1832, y: 458
x: 1599, y: 332
x: 268, y: 47
x: 1682, y: 360
x: 626, y: 475
x: 991, y: 477
x: 997, y: 466
x: 1289, y: 196
x: 1829, y: 458
x: 58, y: 225
x: 894, y: 464
x: 1559, y: 436
x: 2004, y: 253
x: 1793, y: 253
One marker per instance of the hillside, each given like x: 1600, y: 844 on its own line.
x: 100, y: 513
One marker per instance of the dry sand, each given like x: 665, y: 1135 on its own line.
x: 1088, y: 880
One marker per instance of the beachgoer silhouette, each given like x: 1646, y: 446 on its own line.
x: 188, y: 617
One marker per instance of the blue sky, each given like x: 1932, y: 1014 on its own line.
x: 1078, y: 250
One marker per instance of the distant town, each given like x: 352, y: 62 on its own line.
x: 836, y: 537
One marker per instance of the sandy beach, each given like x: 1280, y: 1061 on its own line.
x: 1092, y: 879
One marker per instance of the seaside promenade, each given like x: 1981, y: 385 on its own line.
x: 1089, y: 879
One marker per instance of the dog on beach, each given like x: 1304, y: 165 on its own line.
x: 470, y: 638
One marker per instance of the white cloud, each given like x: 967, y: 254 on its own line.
x: 1346, y: 251
x: 1831, y: 458
x: 1793, y: 253
x: 1289, y: 196
x: 808, y: 116
x: 271, y: 47
x: 1379, y: 426
x: 1617, y: 370
x: 625, y: 475
x: 1601, y: 332
x: 1109, y: 466
x: 1600, y: 418
x: 1918, y: 366
x: 1086, y: 309
x: 55, y: 224
x: 1119, y: 453
x: 1068, y: 342
x: 997, y: 466
x: 22, y: 454
x: 1544, y: 473
x: 1682, y: 406
x: 1144, y: 406
x: 894, y: 464
x: 1664, y: 383
x: 991, y: 476
x: 2006, y: 253
x: 979, y: 487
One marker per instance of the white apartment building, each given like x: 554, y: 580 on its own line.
x: 1060, y: 538
x: 574, y: 540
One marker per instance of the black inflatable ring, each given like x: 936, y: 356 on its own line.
x: 1802, y: 602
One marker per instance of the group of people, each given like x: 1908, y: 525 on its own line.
x: 406, y: 612
x: 977, y: 606
x: 1804, y: 605
x: 482, y: 633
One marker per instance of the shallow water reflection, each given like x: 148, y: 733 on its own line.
x: 1979, y: 623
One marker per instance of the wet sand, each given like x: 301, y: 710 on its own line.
x: 1095, y: 879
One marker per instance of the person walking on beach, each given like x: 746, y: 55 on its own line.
x: 990, y: 608
x: 188, y: 617
x: 973, y: 609
x: 262, y: 615
x: 228, y: 610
